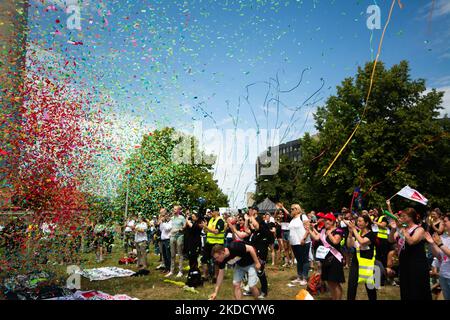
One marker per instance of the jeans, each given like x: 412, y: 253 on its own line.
x: 301, y: 254
x: 445, y: 286
x: 176, y: 247
x: 165, y: 244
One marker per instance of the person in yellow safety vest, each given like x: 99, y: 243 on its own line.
x: 380, y: 226
x: 362, y: 267
x: 215, y: 234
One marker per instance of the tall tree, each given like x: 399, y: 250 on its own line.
x: 166, y: 169
x: 400, y: 141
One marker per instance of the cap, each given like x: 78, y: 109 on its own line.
x: 330, y: 216
x: 321, y: 215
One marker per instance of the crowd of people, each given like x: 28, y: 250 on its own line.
x: 379, y: 248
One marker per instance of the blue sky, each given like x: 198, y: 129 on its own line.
x: 174, y: 63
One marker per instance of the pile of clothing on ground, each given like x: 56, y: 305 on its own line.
x: 38, y: 286
x: 93, y: 295
x: 32, y: 286
x: 105, y: 273
x: 131, y: 259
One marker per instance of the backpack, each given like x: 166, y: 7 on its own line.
x: 315, y: 285
x: 194, y: 278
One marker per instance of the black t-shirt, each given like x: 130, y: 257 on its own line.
x: 238, y: 253
x: 278, y: 230
x: 261, y: 238
x: 368, y: 254
x: 220, y: 225
x: 193, y: 236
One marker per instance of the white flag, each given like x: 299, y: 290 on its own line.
x: 414, y: 195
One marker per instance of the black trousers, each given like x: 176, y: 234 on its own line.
x: 383, y: 247
x: 263, y: 279
x: 262, y: 255
x: 353, y: 282
x: 193, y: 260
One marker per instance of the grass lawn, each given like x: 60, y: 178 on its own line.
x: 153, y: 287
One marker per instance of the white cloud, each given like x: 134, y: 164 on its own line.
x: 442, y: 8
x: 446, y: 100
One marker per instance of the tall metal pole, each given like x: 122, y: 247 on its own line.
x: 126, y: 198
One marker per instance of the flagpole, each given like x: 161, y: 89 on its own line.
x: 391, y: 197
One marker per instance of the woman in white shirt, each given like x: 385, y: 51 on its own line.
x: 300, y: 242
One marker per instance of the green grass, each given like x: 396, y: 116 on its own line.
x: 153, y: 286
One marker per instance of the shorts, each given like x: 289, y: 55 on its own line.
x: 285, y: 235
x: 240, y: 274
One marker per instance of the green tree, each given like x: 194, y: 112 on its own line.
x: 400, y: 141
x: 169, y: 169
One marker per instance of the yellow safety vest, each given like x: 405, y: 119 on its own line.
x: 213, y: 238
x: 382, y: 232
x: 366, y: 268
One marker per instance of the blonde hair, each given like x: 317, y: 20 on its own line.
x: 298, y: 207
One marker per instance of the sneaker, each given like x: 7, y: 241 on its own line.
x: 262, y: 296
x: 169, y: 274
x: 246, y: 288
x: 303, y: 282
x: 296, y: 281
x: 246, y: 293
x: 160, y: 267
x: 179, y: 274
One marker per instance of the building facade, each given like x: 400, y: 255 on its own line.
x: 289, y: 149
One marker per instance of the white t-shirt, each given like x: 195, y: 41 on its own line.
x: 297, y: 230
x: 165, y: 228
x: 141, y: 235
x: 130, y: 225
